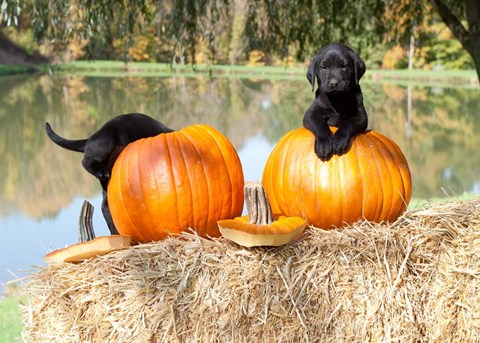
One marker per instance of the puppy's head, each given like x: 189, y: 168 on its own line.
x: 100, y: 155
x: 337, y: 68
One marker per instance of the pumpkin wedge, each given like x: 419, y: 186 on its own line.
x: 81, y: 251
x: 260, y: 227
x: 89, y: 246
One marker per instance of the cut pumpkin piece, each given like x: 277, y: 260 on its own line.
x: 89, y: 246
x: 280, y: 232
x: 259, y: 227
x: 81, y: 251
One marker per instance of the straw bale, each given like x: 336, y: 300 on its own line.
x: 414, y: 280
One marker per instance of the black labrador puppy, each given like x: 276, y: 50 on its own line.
x: 338, y: 99
x: 103, y: 147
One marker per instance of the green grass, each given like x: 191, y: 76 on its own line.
x: 167, y: 67
x: 118, y: 68
x: 419, y: 203
x: 10, y: 320
x: 445, y: 78
x: 12, y: 69
x: 114, y: 68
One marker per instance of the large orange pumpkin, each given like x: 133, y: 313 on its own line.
x: 162, y: 185
x: 371, y: 181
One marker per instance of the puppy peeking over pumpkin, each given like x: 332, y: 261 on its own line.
x: 333, y: 172
x: 338, y: 99
x: 102, y: 148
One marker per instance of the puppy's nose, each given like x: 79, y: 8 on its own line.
x: 333, y: 83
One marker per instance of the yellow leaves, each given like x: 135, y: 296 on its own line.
x: 139, y: 50
x: 76, y: 49
x: 143, y: 47
x: 393, y: 57
x: 287, y: 62
x: 445, y: 34
x: 256, y: 58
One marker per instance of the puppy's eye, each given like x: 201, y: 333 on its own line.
x: 323, y: 67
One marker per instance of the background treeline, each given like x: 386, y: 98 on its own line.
x: 223, y: 32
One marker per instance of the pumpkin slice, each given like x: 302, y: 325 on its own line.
x: 280, y: 232
x: 81, y: 251
x: 259, y: 227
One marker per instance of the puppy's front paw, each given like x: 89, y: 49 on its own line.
x: 340, y: 144
x: 323, y: 148
x: 103, y: 174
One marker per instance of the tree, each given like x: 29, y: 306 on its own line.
x: 469, y: 12
x: 309, y: 23
x: 297, y: 27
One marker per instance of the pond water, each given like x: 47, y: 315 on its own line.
x: 42, y: 186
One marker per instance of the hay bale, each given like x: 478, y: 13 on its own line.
x: 416, y: 280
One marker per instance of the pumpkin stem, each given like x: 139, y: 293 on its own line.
x: 85, y: 227
x: 258, y: 206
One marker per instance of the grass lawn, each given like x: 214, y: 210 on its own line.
x: 118, y: 68
x: 440, y: 78
x: 10, y: 321
x: 12, y: 69
x: 416, y: 203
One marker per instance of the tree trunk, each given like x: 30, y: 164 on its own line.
x: 411, y: 51
x: 476, y: 57
x: 473, y: 17
x: 237, y: 42
x: 470, y: 39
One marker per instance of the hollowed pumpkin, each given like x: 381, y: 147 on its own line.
x: 166, y: 184
x: 371, y: 181
x: 261, y: 227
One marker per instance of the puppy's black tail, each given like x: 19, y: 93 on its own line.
x: 74, y: 145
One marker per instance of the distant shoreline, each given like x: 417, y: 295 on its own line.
x: 118, y: 68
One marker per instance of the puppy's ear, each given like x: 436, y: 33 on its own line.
x: 311, y: 72
x: 359, y: 66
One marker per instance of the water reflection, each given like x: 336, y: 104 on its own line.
x: 437, y: 128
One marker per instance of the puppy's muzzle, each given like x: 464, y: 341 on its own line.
x: 335, y: 85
